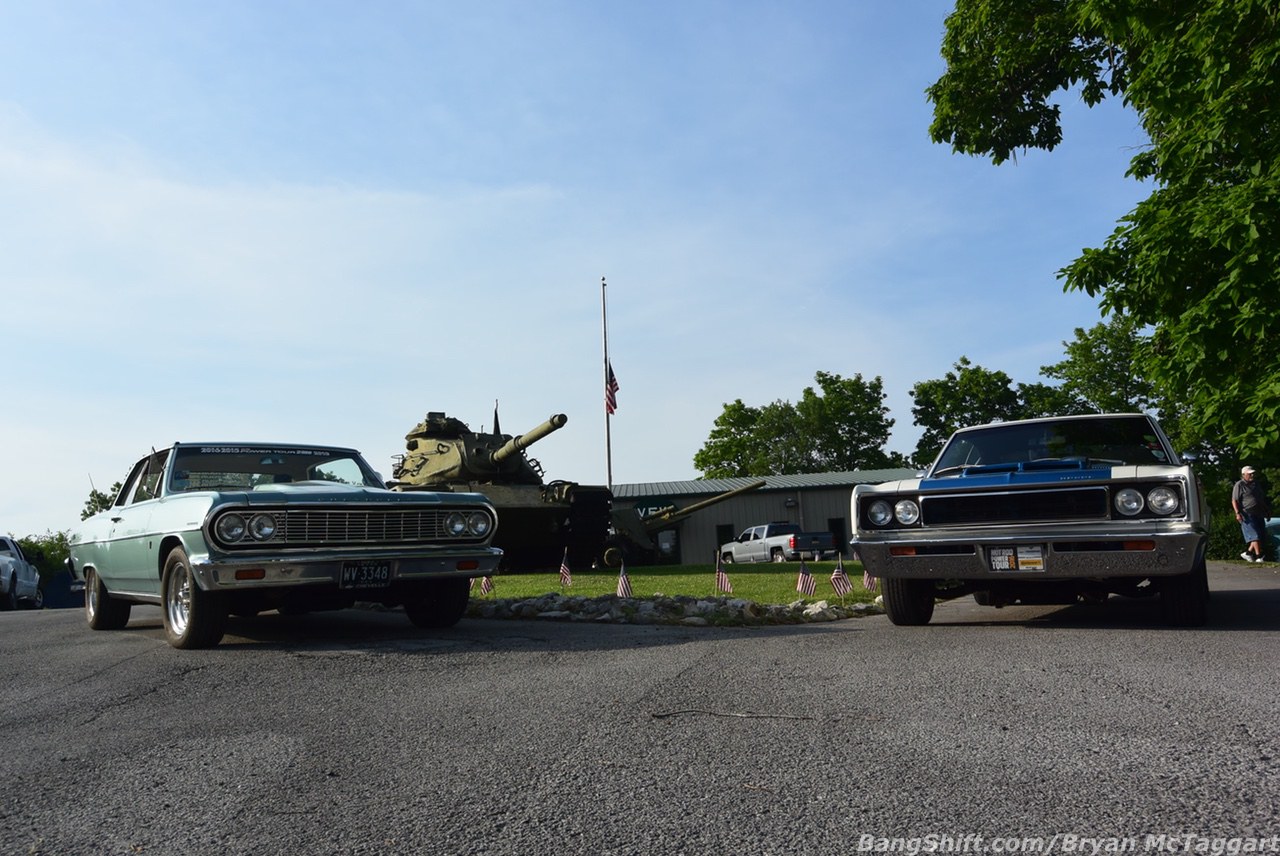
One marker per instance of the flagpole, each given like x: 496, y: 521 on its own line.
x: 608, y: 441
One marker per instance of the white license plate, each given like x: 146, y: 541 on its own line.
x: 363, y: 575
x: 1026, y: 557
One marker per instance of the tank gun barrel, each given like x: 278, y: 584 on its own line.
x: 657, y: 521
x: 522, y: 441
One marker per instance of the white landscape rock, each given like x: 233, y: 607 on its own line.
x: 665, y: 609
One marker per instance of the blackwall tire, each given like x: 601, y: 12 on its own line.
x: 1184, y: 600
x: 193, y: 618
x: 101, y: 610
x: 908, y: 602
x: 443, y: 605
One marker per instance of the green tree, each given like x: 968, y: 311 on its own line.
x: 99, y: 501
x: 846, y: 424
x: 969, y: 395
x: 47, y: 552
x: 1103, y: 367
x: 732, y: 449
x: 1039, y: 399
x: 841, y: 425
x: 1197, y: 259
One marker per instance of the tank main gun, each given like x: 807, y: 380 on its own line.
x: 523, y: 441
x: 633, y: 535
x: 654, y: 522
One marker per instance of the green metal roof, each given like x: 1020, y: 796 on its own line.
x: 799, y: 481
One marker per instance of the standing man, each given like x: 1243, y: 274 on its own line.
x: 1252, y: 509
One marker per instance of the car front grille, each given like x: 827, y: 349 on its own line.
x: 360, y: 527
x: 1042, y: 506
x: 363, y: 527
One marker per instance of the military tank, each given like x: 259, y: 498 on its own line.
x: 537, y: 520
x: 634, y: 538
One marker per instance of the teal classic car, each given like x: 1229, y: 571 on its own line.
x: 207, y: 530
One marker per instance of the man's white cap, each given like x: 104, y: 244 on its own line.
x: 1247, y: 469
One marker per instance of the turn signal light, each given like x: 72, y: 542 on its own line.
x: 902, y: 551
x: 467, y: 565
x: 251, y: 574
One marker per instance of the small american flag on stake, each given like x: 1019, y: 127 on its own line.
x: 722, y: 579
x: 624, y: 582
x: 805, y: 584
x: 869, y: 582
x: 840, y: 579
x: 486, y: 585
x: 566, y: 578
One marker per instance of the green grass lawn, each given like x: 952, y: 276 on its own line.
x: 762, y: 583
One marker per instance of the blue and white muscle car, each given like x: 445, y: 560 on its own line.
x: 1053, y: 510
x: 209, y: 529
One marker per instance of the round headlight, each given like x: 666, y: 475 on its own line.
x: 231, y: 528
x: 1163, y: 500
x: 478, y: 523
x: 906, y: 511
x: 456, y: 523
x: 262, y: 526
x: 880, y: 514
x: 1128, y: 502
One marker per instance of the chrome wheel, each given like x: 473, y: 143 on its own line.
x: 101, y: 610
x: 177, y: 598
x: 193, y: 618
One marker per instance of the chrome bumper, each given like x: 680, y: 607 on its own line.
x: 1067, y: 553
x: 241, y: 573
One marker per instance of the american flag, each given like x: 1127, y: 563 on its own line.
x: 839, y: 579
x: 624, y: 582
x: 869, y: 582
x: 566, y: 578
x: 610, y: 389
x: 722, y: 579
x: 805, y: 584
x: 486, y: 585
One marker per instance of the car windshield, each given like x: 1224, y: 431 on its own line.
x: 1111, y: 441
x: 256, y: 468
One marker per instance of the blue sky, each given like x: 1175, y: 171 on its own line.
x: 316, y: 221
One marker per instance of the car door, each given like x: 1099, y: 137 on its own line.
x: 132, y: 564
x: 755, y: 544
x: 28, y: 579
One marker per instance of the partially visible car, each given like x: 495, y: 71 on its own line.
x: 1041, y: 511
x: 19, y: 578
x: 207, y: 530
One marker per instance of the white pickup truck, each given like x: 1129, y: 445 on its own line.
x: 19, y: 579
x: 778, y: 542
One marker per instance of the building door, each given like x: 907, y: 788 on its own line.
x: 839, y: 530
x: 725, y: 532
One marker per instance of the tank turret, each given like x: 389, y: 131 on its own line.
x: 537, y: 520
x: 441, y: 450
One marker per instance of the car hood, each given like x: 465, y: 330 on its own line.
x: 1040, y: 475
x: 978, y: 477
x: 334, y: 492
